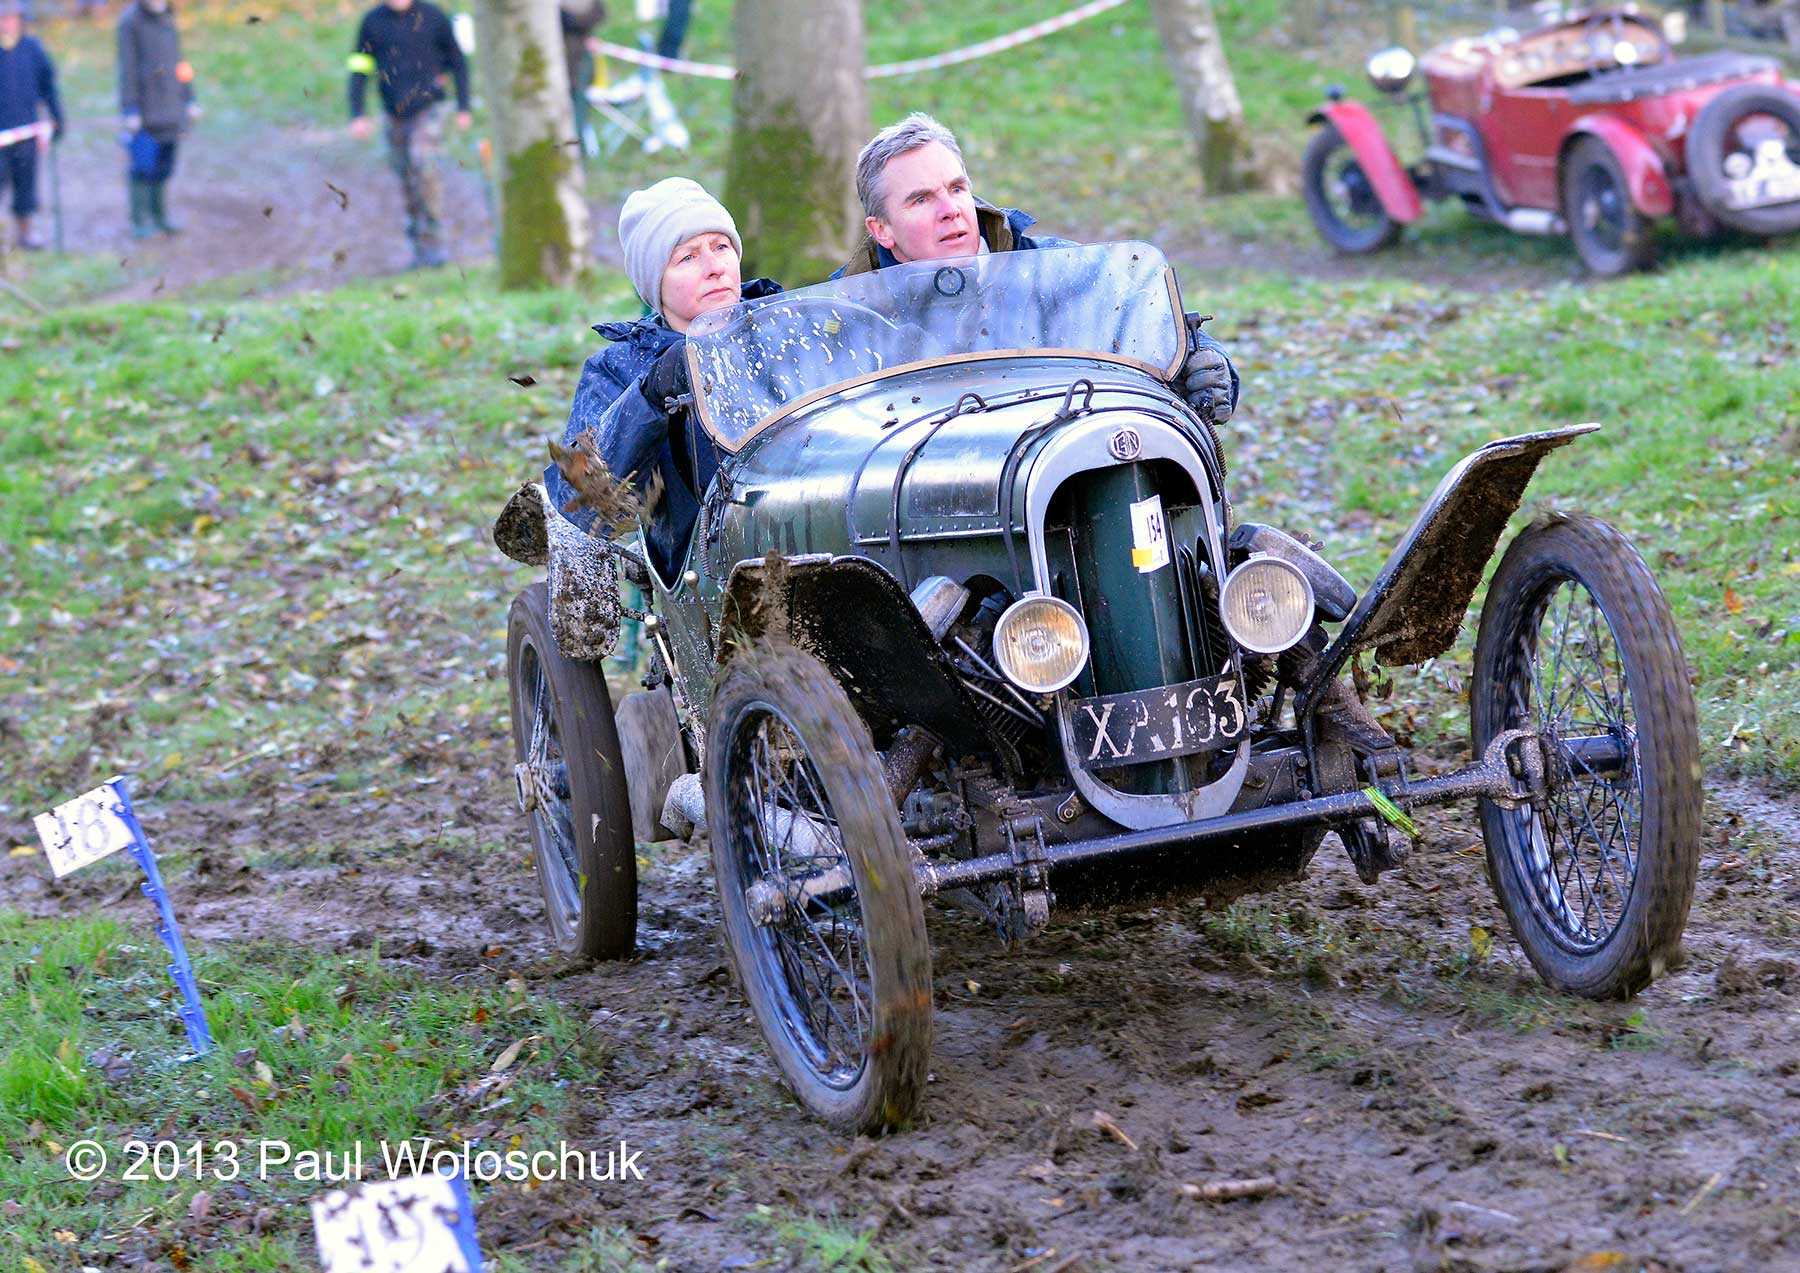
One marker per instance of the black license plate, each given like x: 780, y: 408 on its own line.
x: 1171, y: 720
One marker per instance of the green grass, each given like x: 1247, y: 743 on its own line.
x: 317, y: 1051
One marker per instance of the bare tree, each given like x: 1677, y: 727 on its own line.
x: 800, y: 113
x: 543, y: 216
x: 1209, y: 96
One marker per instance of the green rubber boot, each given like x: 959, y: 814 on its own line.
x: 159, y: 211
x: 143, y: 223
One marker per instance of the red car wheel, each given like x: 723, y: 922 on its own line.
x: 1610, y: 234
x: 1340, y: 197
x: 1743, y: 154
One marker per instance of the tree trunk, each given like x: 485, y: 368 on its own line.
x: 800, y: 112
x: 1209, y: 96
x: 537, y: 181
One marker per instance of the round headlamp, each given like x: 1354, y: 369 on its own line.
x: 1391, y: 70
x: 1041, y: 643
x: 1267, y: 605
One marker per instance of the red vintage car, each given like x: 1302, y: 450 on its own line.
x: 1588, y: 126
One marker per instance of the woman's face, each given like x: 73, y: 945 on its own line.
x: 702, y: 275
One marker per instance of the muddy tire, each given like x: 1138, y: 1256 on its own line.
x: 650, y: 741
x: 1718, y: 135
x: 1340, y: 198
x: 1578, y: 643
x: 572, y: 782
x: 841, y: 986
x: 1610, y: 235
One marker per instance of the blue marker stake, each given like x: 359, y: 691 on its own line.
x: 464, y: 1227
x: 181, y: 972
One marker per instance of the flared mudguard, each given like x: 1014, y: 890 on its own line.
x: 1362, y: 133
x: 1645, y: 177
x: 1415, y: 607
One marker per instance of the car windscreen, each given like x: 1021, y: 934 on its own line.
x: 758, y: 360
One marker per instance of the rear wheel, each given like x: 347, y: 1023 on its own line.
x: 571, y: 783
x: 1611, y: 236
x: 650, y: 740
x: 840, y: 983
x: 1577, y: 644
x: 1340, y: 197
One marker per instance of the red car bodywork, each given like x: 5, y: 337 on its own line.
x: 1505, y: 109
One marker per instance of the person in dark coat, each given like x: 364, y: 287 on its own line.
x: 579, y: 18
x: 681, y: 251
x: 27, y: 82
x: 919, y: 205
x: 156, y: 104
x: 409, y: 46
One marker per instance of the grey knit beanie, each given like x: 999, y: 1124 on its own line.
x: 657, y: 220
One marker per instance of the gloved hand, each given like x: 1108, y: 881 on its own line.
x: 1206, y: 383
x: 668, y: 377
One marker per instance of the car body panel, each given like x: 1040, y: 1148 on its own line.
x: 1362, y: 132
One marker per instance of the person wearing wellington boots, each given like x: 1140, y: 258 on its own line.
x: 156, y: 105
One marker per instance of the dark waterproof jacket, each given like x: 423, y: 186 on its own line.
x: 149, y: 50
x: 1003, y: 229
x: 27, y: 77
x: 634, y: 437
x: 409, y: 54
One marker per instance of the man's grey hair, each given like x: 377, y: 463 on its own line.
x: 916, y: 130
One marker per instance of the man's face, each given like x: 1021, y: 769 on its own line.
x: 11, y: 27
x: 929, y: 207
x: 702, y: 275
x: 399, y: 6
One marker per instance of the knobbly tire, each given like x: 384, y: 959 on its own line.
x: 572, y: 779
x: 1577, y: 642
x: 1340, y: 198
x: 650, y: 741
x: 841, y: 991
x: 1611, y: 236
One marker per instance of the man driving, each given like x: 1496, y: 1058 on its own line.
x: 919, y: 205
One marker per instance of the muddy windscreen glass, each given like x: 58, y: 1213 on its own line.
x: 757, y: 359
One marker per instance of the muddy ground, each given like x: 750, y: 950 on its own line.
x: 1421, y: 1104
x: 1421, y: 1107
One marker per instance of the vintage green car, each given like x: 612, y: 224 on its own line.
x: 966, y: 614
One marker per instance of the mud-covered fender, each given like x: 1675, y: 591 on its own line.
x: 583, y: 574
x: 1415, y: 607
x: 1645, y: 175
x: 1362, y: 133
x: 854, y: 616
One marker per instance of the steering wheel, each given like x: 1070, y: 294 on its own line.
x: 1614, y: 24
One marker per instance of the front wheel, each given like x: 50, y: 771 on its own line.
x: 1341, y: 199
x: 839, y: 976
x: 1577, y: 644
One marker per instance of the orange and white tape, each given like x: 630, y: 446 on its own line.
x: 43, y: 128
x: 986, y: 48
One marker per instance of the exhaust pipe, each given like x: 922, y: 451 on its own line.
x: 1535, y: 221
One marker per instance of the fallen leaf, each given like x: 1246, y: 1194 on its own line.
x: 507, y: 1057
x: 1734, y: 604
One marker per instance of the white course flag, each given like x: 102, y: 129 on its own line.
x: 418, y: 1224
x: 84, y: 830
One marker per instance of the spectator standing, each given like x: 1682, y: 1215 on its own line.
x: 156, y: 103
x: 409, y: 46
x: 579, y: 18
x: 27, y: 80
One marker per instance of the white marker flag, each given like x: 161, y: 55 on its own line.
x: 83, y: 830
x: 419, y: 1224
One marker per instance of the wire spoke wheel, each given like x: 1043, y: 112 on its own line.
x: 570, y: 782
x: 839, y: 974
x: 1577, y: 645
x: 1611, y: 236
x: 1341, y: 199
